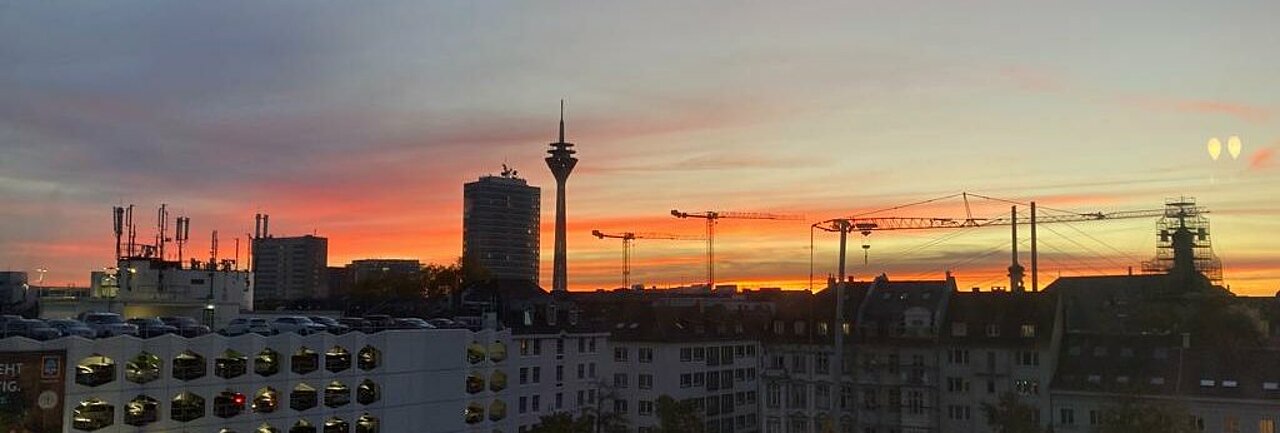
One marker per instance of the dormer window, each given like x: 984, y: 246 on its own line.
x: 823, y: 328
x: 1157, y: 381
x: 1230, y: 384
x: 1207, y: 383
x: 993, y: 330
x: 1028, y: 331
x: 799, y: 327
x: 959, y: 329
x: 1271, y: 386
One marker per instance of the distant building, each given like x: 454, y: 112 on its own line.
x: 290, y: 268
x: 500, y: 226
x: 15, y: 295
x: 376, y: 269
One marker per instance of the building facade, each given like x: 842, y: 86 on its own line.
x: 500, y: 226
x: 290, y: 268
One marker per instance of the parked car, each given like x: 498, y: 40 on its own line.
x: 108, y: 324
x: 296, y: 324
x: 151, y: 327
x: 30, y: 328
x: 69, y: 327
x: 187, y: 327
x: 378, y: 322
x: 356, y: 324
x: 412, y: 323
x: 331, y: 325
x: 443, y: 323
x: 245, y: 325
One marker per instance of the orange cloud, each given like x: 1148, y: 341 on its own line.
x: 1262, y: 158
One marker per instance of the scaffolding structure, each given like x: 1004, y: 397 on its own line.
x: 1184, y: 241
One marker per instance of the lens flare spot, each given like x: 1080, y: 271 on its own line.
x: 1215, y: 148
x: 1234, y: 146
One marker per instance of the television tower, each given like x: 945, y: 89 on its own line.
x: 561, y: 163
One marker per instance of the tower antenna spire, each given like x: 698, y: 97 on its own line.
x: 561, y: 121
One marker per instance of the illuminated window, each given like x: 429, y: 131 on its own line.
x: 497, y: 410
x: 230, y: 364
x: 303, y: 397
x: 475, y: 383
x: 1266, y: 425
x: 186, y: 407
x: 93, y: 414
x: 188, y: 365
x: 304, y: 361
x: 1028, y: 330
x: 498, y: 380
x: 370, y: 358
x: 335, y: 425
x: 228, y: 404
x: 475, y: 352
x: 267, y: 362
x: 336, y: 394
x: 367, y: 424
x: 142, y: 410
x: 497, y: 351
x: 337, y: 359
x: 474, y: 413
x: 142, y: 368
x: 266, y: 400
x: 302, y: 426
x: 267, y: 428
x: 95, y: 370
x: 367, y: 392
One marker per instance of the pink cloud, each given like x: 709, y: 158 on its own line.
x: 1262, y: 158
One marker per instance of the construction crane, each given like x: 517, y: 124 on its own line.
x: 866, y: 226
x: 712, y: 217
x: 628, y: 238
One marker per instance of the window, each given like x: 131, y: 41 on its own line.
x: 1230, y: 424
x: 95, y: 370
x: 142, y: 368
x: 474, y: 383
x: 822, y: 395
x: 497, y: 353
x: 304, y: 361
x: 699, y: 354
x: 497, y: 410
x: 369, y: 424
x: 302, y: 426
x: 959, y: 412
x: 369, y: 358
x: 368, y: 392
x: 798, y: 364
x: 336, y: 425
x: 93, y: 414
x: 337, y: 359
x: 560, y: 346
x: 686, y: 354
x: 959, y: 329
x: 620, y: 380
x: 645, y: 354
x: 1266, y: 425
x: 1067, y: 416
x: 620, y: 354
x: 336, y: 394
x: 559, y: 373
x: 993, y: 330
x: 644, y: 381
x: 915, y: 402
x: 1028, y: 331
x: 582, y: 371
x: 591, y: 370
x: 142, y: 410
x: 1028, y: 358
x: 188, y: 365
x: 537, y: 374
x: 821, y: 364
x: 645, y: 407
x: 266, y: 363
x: 303, y: 397
x: 773, y: 395
x: 228, y: 404
x: 958, y: 356
x: 497, y: 381
x: 797, y: 396
x: 266, y: 400
x: 186, y: 407
x: 230, y: 364
x: 620, y: 406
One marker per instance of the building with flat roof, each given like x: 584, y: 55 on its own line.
x: 500, y: 226
x: 290, y: 268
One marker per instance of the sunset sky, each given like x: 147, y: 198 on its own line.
x: 360, y: 121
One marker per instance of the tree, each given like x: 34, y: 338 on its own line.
x: 1009, y: 415
x: 1131, y: 414
x: 676, y: 416
x: 563, y: 422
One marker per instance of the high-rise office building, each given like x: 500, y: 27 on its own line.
x: 500, y: 226
x: 290, y: 268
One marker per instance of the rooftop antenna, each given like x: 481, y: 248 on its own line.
x: 117, y: 214
x: 133, y: 229
x: 183, y: 229
x: 213, y: 250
